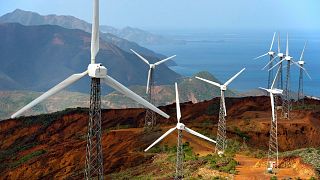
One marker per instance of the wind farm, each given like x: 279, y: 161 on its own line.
x: 175, y: 105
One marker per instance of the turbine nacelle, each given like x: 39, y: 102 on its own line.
x: 180, y: 126
x: 276, y: 91
x: 301, y: 63
x: 223, y: 87
x: 288, y: 58
x: 97, y: 71
x: 271, y: 53
x: 280, y: 55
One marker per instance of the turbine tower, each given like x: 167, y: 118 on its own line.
x: 286, y: 100
x: 151, y: 117
x: 273, y: 139
x: 180, y: 127
x: 97, y: 72
x: 222, y: 127
x: 301, y: 64
x: 272, y: 57
x: 281, y: 56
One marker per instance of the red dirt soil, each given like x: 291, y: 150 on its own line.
x: 63, y: 136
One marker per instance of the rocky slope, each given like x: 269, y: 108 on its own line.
x: 53, y: 145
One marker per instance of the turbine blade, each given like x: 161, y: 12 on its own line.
x: 177, y: 103
x: 141, y: 57
x: 307, y: 73
x: 160, y: 138
x: 148, y: 81
x: 301, y: 57
x: 274, y: 34
x: 275, y: 78
x: 124, y: 90
x: 95, y: 32
x: 295, y: 63
x: 208, y: 81
x: 198, y: 134
x: 272, y: 106
x: 164, y: 60
x: 269, y: 62
x: 70, y: 80
x: 277, y: 64
x: 261, y: 56
x: 278, y: 42
x: 264, y: 89
x: 287, y: 48
x: 235, y: 76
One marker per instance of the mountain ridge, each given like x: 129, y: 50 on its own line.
x: 39, y: 57
x: 28, y: 18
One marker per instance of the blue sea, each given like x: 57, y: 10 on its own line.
x: 224, y: 54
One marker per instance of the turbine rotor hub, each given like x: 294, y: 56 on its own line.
x: 223, y: 88
x: 180, y: 126
x: 271, y: 53
x: 152, y: 66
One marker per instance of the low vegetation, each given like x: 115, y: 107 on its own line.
x: 224, y: 163
x: 308, y: 155
x: 27, y: 158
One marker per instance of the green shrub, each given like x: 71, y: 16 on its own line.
x: 27, y: 158
x: 273, y: 178
x: 241, y: 134
x: 224, y: 163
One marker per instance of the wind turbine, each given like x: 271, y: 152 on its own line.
x: 97, y: 72
x: 150, y: 119
x: 180, y: 127
x: 286, y: 100
x: 222, y: 128
x: 271, y: 53
x: 280, y: 55
x: 273, y: 139
x: 301, y: 64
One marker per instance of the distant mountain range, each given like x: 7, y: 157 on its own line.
x: 191, y: 89
x: 38, y: 57
x: 124, y: 39
x: 140, y: 36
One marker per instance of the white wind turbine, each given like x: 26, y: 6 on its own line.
x: 280, y: 55
x: 180, y: 127
x: 221, y: 133
x: 150, y: 119
x: 286, y: 101
x: 271, y: 53
x: 301, y: 64
x: 151, y: 67
x: 273, y: 139
x: 97, y: 72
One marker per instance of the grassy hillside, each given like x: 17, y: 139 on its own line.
x: 190, y: 89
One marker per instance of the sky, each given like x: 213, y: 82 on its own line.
x: 184, y: 14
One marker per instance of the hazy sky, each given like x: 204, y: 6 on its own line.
x: 184, y: 14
